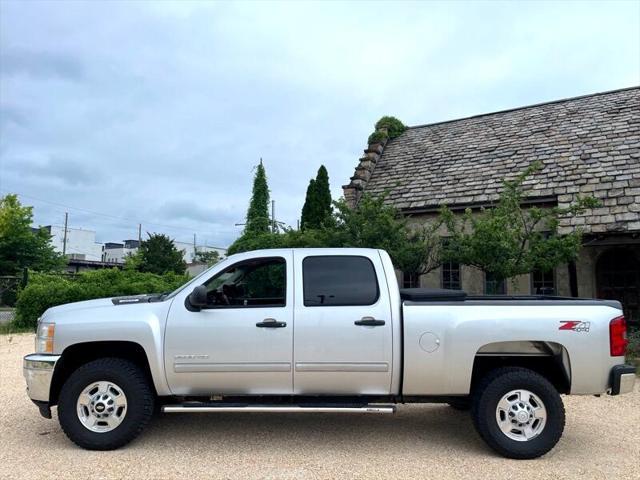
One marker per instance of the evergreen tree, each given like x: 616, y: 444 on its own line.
x: 323, y: 195
x: 317, y: 205
x: 258, y: 212
x: 306, y: 219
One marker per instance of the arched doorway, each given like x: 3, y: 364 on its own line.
x: 618, y: 278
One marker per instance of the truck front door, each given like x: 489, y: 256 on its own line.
x: 343, y: 334
x: 242, y: 341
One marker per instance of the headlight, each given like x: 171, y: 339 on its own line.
x: 44, y: 338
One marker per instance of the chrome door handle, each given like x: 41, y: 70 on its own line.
x: 369, y: 322
x: 271, y: 323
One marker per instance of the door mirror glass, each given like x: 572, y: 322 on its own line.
x: 198, y: 298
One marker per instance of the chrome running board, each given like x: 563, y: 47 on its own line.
x: 209, y: 408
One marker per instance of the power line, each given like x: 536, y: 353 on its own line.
x: 114, y: 217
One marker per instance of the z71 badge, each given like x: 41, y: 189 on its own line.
x: 575, y: 325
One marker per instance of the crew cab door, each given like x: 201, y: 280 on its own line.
x: 343, y: 334
x: 241, y: 342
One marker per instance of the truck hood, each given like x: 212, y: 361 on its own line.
x: 101, y: 303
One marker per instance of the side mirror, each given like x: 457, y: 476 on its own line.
x: 198, y: 298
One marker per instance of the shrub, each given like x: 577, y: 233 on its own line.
x: 48, y: 290
x: 394, y: 126
x: 633, y: 349
x: 377, y: 137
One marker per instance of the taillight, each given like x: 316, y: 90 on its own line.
x: 618, y: 336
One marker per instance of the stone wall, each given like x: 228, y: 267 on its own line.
x: 472, y: 279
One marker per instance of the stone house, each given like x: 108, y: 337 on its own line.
x: 589, y: 145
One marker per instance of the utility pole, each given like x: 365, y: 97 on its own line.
x: 64, y: 238
x: 195, y: 251
x: 139, y: 234
x: 273, y: 216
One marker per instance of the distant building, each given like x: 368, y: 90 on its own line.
x: 80, y: 244
x: 117, y: 252
x: 84, y: 253
x: 189, y: 250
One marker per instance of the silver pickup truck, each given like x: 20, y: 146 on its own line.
x: 324, y: 330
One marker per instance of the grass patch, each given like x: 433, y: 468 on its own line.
x: 7, y: 328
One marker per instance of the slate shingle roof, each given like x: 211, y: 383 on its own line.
x: 588, y: 145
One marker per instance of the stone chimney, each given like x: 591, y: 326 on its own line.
x: 353, y: 191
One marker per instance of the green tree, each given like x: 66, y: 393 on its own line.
x: 20, y: 246
x: 158, y: 254
x: 372, y: 224
x: 258, y: 212
x: 317, y: 210
x: 209, y: 258
x: 509, y: 239
x: 413, y: 249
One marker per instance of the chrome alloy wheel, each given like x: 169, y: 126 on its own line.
x: 102, y: 406
x: 521, y: 415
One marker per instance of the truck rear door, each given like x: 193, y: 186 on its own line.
x: 343, y: 331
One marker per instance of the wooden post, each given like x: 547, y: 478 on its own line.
x: 64, y: 238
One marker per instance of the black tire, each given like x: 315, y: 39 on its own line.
x: 462, y: 404
x: 485, y: 401
x: 140, y: 403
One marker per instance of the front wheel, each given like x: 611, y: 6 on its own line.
x: 518, y: 413
x: 105, y: 404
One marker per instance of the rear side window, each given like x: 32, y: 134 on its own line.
x: 339, y: 280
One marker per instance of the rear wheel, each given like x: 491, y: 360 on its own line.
x: 518, y: 413
x: 105, y: 404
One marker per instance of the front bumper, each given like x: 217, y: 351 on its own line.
x: 38, y: 372
x: 622, y: 380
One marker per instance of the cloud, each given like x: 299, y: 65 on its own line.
x: 190, y: 210
x: 40, y: 64
x: 159, y: 115
x: 66, y: 172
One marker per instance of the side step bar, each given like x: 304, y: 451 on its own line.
x: 208, y: 408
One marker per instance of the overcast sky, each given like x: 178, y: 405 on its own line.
x: 127, y: 112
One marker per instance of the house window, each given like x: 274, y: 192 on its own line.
x: 450, y: 278
x: 493, y: 286
x: 410, y: 280
x: 543, y: 283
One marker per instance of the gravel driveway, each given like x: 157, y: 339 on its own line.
x: 601, y: 440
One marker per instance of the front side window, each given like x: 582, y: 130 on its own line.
x: 260, y: 282
x: 339, y: 280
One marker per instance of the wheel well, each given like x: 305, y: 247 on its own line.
x: 549, y: 359
x: 79, y: 354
